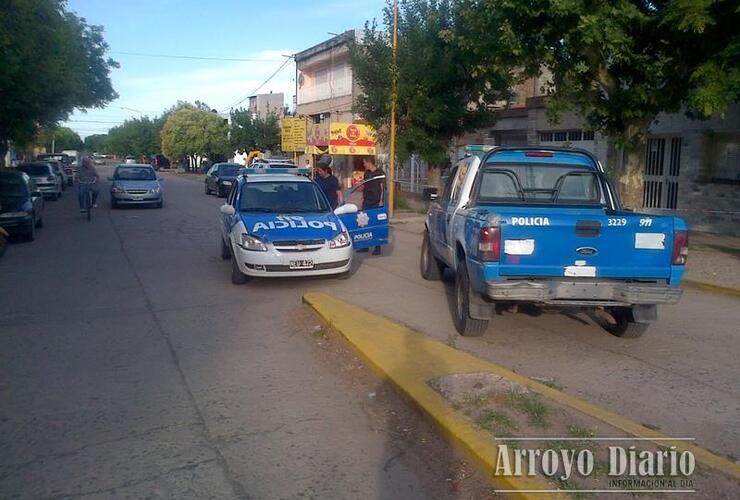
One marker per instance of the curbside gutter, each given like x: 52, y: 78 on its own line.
x: 409, y: 360
x: 712, y: 288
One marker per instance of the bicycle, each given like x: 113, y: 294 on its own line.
x: 89, y: 193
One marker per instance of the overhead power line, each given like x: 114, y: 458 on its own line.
x: 201, y: 58
x: 259, y: 86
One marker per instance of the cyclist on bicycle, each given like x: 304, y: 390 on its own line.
x: 88, y: 177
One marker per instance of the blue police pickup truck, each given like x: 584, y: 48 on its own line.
x: 546, y: 228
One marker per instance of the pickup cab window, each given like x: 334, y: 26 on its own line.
x: 540, y: 183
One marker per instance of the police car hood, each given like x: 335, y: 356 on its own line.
x: 297, y: 226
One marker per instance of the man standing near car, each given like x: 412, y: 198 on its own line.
x: 373, y: 191
x: 328, y: 183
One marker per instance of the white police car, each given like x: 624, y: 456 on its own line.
x: 281, y: 224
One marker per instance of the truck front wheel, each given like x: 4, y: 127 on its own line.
x: 464, y: 323
x: 624, y: 325
x: 431, y: 268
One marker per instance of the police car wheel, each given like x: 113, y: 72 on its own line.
x: 431, y: 268
x: 464, y: 323
x: 237, y: 277
x: 225, y: 250
x: 624, y: 325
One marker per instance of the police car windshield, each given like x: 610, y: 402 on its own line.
x: 282, y: 197
x: 540, y: 183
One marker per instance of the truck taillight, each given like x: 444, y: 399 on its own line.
x: 680, y: 247
x: 489, y: 244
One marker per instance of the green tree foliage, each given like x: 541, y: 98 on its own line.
x: 51, y: 63
x: 136, y: 137
x: 191, y: 132
x: 248, y: 133
x: 617, y: 63
x: 60, y: 137
x: 97, y: 143
x: 441, y: 93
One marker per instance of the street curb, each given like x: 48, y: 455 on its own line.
x: 384, y: 345
x: 709, y: 287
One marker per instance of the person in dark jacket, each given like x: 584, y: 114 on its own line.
x: 373, y: 191
x: 328, y: 182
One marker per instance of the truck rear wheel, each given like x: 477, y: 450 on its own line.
x: 431, y: 268
x: 464, y: 323
x: 624, y: 325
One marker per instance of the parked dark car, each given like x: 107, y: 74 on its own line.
x: 220, y: 177
x: 21, y: 204
x: 159, y: 161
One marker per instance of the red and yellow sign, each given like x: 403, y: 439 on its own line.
x: 352, y: 139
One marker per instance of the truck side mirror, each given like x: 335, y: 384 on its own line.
x: 429, y: 194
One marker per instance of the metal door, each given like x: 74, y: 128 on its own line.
x: 662, y: 163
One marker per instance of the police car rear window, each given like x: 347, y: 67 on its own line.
x: 540, y: 183
x: 282, y: 197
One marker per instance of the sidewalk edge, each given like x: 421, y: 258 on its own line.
x: 712, y: 288
x: 455, y: 428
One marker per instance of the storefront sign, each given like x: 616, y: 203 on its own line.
x: 352, y: 139
x: 293, y: 134
x: 317, y: 134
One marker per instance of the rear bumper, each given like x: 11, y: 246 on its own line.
x: 582, y: 293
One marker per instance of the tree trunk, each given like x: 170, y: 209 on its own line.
x: 631, y: 178
x: 434, y: 178
x: 630, y: 175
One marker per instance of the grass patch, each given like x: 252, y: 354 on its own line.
x: 496, y: 420
x: 452, y: 341
x: 531, y: 405
x: 401, y: 203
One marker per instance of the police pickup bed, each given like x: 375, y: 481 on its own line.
x: 277, y: 222
x: 546, y: 228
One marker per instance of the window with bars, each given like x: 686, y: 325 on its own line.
x: 566, y: 135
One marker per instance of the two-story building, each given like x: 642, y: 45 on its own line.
x: 325, y: 92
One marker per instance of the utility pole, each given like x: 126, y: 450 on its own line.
x: 394, y: 98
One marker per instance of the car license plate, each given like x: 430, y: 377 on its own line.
x: 137, y: 198
x: 301, y: 264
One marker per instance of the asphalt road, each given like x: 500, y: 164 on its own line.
x: 131, y: 367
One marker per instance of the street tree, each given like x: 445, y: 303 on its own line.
x: 191, y: 133
x: 618, y: 64
x: 97, y: 143
x: 52, y: 63
x: 441, y: 91
x: 248, y: 133
x: 60, y: 138
x: 136, y: 137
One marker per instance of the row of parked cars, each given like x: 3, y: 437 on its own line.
x: 24, y: 188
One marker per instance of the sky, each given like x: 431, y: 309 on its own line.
x: 231, y: 29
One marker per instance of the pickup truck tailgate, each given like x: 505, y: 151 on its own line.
x: 584, y: 243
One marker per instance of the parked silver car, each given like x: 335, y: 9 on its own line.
x: 43, y: 175
x: 135, y: 185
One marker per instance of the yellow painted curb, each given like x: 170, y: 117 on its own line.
x: 410, y: 359
x: 709, y: 287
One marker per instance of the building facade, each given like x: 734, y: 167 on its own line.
x: 692, y: 167
x: 261, y: 105
x: 325, y: 91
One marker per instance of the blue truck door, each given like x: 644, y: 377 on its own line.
x: 367, y: 228
x: 438, y: 218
